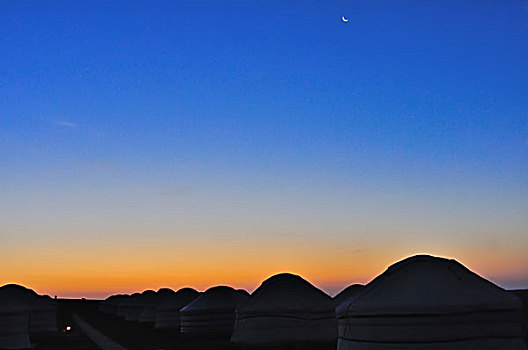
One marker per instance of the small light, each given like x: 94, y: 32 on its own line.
x: 68, y: 328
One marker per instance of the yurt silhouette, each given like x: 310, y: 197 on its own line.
x: 136, y: 305
x: 42, y: 310
x: 14, y: 323
x: 425, y: 302
x: 523, y: 295
x: 111, y: 304
x: 348, y: 292
x: 213, y: 312
x: 285, y: 309
x: 149, y: 311
x: 123, y: 304
x: 43, y: 317
x: 168, y: 313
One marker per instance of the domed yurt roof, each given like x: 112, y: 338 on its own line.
x: 349, y: 292
x: 111, y: 304
x: 165, y: 292
x: 132, y: 299
x: 284, y: 293
x: 142, y: 298
x: 425, y: 284
x: 167, y: 314
x: 285, y: 309
x: 216, y: 298
x: 213, y: 312
x: 177, y: 300
x: 123, y: 303
x: 152, y: 302
x: 17, y: 291
x: 136, y: 304
x: 27, y: 296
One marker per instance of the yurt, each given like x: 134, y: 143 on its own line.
x: 347, y: 293
x: 285, y: 309
x: 42, y: 310
x: 106, y: 305
x: 137, y: 304
x: 122, y: 306
x: 425, y: 302
x: 523, y: 295
x: 43, y: 318
x: 168, y: 313
x: 111, y: 304
x: 14, y: 323
x: 149, y: 311
x: 213, y: 312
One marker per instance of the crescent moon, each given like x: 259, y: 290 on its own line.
x: 344, y: 19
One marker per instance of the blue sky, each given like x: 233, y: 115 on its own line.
x: 408, y: 124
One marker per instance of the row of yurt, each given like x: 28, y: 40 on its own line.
x: 136, y: 305
x: 426, y: 302
x: 150, y: 309
x: 422, y: 302
x: 208, y: 313
x: 23, y: 313
x: 285, y: 305
x: 111, y: 304
x: 123, y: 305
x: 159, y: 308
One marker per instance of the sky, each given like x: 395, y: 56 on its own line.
x: 197, y: 143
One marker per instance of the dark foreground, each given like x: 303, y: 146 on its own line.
x: 62, y: 340
x: 133, y: 335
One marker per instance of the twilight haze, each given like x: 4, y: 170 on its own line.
x: 196, y: 143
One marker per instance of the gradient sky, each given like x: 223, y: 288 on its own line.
x: 194, y: 143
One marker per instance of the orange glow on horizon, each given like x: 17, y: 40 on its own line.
x: 99, y: 280
x: 99, y: 270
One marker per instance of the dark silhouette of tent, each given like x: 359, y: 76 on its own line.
x: 123, y: 304
x: 168, y: 313
x: 149, y: 311
x: 523, y: 295
x: 285, y: 309
x: 111, y: 304
x: 425, y: 302
x: 137, y: 303
x: 213, y: 312
x: 14, y: 322
x: 347, y: 293
x: 42, y: 310
x: 43, y: 317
